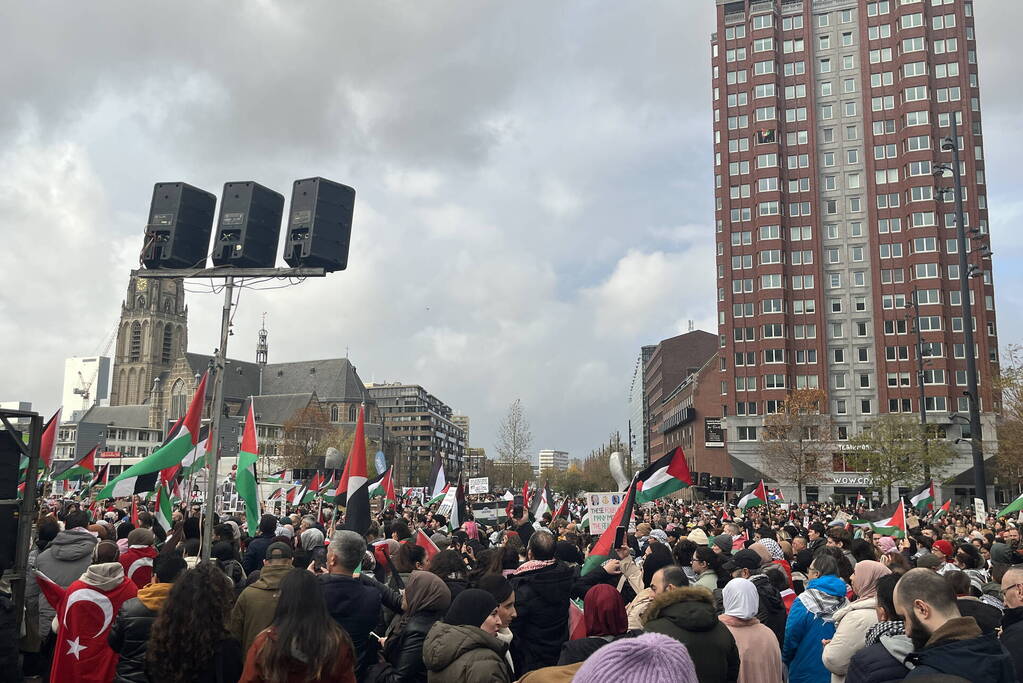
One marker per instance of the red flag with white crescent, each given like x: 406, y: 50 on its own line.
x: 81, y: 651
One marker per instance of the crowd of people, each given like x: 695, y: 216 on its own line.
x: 697, y: 591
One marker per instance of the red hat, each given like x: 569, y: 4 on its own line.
x: 945, y: 547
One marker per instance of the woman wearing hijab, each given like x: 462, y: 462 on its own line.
x: 606, y: 621
x: 759, y: 654
x: 425, y: 601
x: 854, y: 620
x: 464, y: 648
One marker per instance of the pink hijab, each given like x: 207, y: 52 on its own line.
x: 865, y: 577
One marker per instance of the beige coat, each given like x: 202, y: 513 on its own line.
x: 637, y: 607
x: 851, y: 625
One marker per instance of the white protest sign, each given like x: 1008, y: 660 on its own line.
x: 602, y: 506
x: 479, y: 485
x: 979, y: 511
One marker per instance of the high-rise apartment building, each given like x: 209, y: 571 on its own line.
x: 829, y: 117
x: 551, y: 460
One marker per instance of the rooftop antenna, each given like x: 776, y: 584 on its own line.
x: 690, y: 322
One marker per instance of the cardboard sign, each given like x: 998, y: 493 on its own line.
x: 479, y: 485
x: 602, y: 506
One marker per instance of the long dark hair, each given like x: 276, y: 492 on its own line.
x: 190, y: 625
x: 447, y: 562
x: 302, y: 624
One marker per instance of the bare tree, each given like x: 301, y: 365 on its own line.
x: 1009, y: 384
x: 514, y: 442
x: 306, y: 437
x: 798, y: 440
x: 894, y: 450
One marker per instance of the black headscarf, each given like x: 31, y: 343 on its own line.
x: 471, y: 608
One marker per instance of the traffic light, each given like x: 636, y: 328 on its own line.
x: 319, y: 224
x: 249, y: 226
x: 178, y: 232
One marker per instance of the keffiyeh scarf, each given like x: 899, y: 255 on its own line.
x: 821, y: 604
x: 885, y: 628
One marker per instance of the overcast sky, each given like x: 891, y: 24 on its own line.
x: 534, y: 184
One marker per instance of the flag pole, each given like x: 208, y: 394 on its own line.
x: 217, y: 411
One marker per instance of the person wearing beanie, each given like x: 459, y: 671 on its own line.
x: 464, y: 646
x: 722, y: 545
x: 946, y: 554
x: 688, y: 615
x: 649, y: 658
x: 698, y: 536
x: 137, y: 558
x: 499, y: 586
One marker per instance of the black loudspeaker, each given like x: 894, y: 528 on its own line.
x: 10, y: 458
x: 704, y: 478
x: 248, y: 227
x: 715, y: 483
x: 726, y: 484
x: 738, y: 483
x: 319, y: 225
x: 180, y: 221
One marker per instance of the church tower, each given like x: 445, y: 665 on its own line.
x: 152, y: 334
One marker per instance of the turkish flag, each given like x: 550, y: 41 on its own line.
x: 138, y: 564
x: 85, y: 615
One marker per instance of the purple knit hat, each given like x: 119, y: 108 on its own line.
x: 649, y: 658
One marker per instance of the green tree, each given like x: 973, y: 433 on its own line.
x: 897, y: 449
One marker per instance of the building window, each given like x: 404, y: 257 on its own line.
x: 135, y: 346
x: 335, y: 413
x: 353, y: 413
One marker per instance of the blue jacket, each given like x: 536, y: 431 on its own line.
x: 804, y: 631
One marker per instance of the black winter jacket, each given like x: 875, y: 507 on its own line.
x: 980, y: 659
x: 404, y: 651
x: 129, y: 637
x: 771, y: 611
x: 876, y: 664
x: 256, y: 553
x: 355, y: 606
x: 541, y: 626
x: 1012, y: 636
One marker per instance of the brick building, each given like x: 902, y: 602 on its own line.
x: 670, y: 362
x: 828, y: 122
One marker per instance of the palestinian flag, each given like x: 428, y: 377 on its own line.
x: 83, y: 467
x: 354, y: 481
x: 142, y: 477
x: 164, y: 508
x: 276, y: 493
x: 542, y: 501
x: 923, y: 497
x: 329, y: 490
x: 439, y: 498
x: 562, y: 511
x: 753, y: 496
x: 576, y: 620
x: 1014, y: 506
x: 383, y: 485
x: 245, y: 475
x: 438, y: 482
x: 774, y: 495
x: 663, y: 477
x: 887, y: 520
x: 102, y: 476
x: 275, y: 478
x: 196, y: 458
x: 425, y: 542
x: 860, y: 499
x: 602, y: 549
x: 48, y: 442
x: 584, y: 523
x: 943, y: 510
x: 312, y: 488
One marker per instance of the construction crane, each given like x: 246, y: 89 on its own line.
x: 84, y: 388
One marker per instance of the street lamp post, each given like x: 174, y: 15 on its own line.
x: 976, y: 443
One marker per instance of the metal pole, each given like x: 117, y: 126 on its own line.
x: 920, y: 382
x: 976, y: 443
x: 217, y: 410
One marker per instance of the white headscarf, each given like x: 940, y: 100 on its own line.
x: 740, y: 598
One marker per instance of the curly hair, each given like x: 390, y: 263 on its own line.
x: 190, y: 625
x: 447, y: 562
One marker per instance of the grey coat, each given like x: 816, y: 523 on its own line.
x: 64, y: 560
